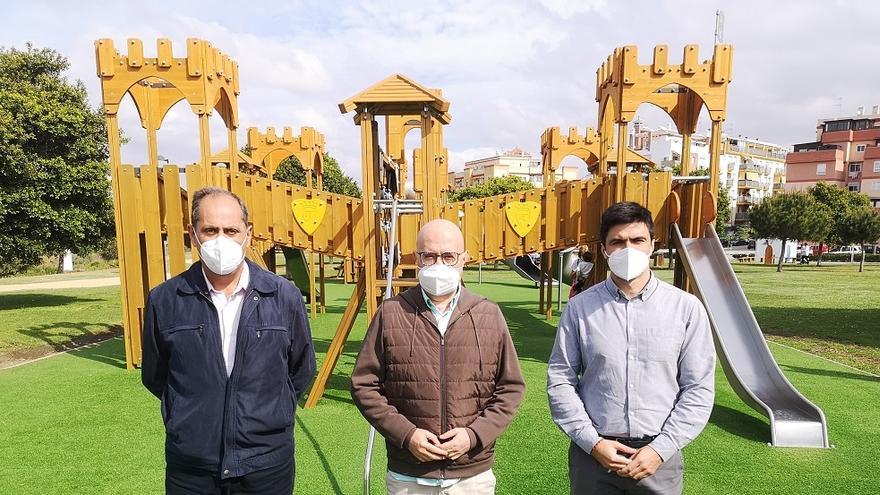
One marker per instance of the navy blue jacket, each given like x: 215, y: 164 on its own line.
x: 232, y: 425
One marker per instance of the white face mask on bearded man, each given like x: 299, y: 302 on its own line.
x: 221, y: 254
x: 439, y: 279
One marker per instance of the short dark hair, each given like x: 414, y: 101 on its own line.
x: 625, y: 213
x: 203, y: 193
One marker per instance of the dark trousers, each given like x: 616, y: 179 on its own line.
x: 588, y: 477
x: 276, y: 480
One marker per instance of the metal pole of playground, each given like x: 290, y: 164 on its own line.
x: 480, y: 270
x: 389, y: 274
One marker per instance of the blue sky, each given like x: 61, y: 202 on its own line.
x: 510, y: 69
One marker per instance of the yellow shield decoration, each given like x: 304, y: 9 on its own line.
x: 309, y: 213
x: 522, y: 215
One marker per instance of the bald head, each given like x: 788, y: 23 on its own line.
x: 441, y: 236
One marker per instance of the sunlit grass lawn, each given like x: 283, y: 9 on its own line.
x: 80, y: 423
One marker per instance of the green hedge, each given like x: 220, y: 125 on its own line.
x: 846, y: 257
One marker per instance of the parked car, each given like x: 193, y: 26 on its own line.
x: 872, y: 249
x: 847, y: 250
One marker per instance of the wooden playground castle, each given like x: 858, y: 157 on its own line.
x: 152, y: 211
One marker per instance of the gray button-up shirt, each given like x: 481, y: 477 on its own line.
x: 633, y: 367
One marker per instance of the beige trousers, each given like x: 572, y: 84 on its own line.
x: 480, y: 484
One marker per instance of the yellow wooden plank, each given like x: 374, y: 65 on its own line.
x: 134, y: 269
x: 532, y: 241
x: 551, y: 214
x: 261, y: 202
x: 494, y: 228
x: 359, y: 240
x: 174, y: 219
x: 193, y: 184
x: 659, y: 184
x: 154, y: 248
x: 473, y: 228
x: 634, y: 188
x: 512, y: 241
x: 321, y: 237
x: 280, y: 202
x: 340, y: 208
x: 299, y: 237
x: 592, y: 207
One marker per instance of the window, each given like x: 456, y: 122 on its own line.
x: 855, y: 166
x: 877, y: 185
x: 860, y: 124
x: 876, y: 166
x: 860, y: 148
x: 820, y: 169
x: 853, y: 188
x: 840, y: 125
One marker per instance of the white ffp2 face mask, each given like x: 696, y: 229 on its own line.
x: 628, y: 263
x: 439, y: 279
x: 221, y: 254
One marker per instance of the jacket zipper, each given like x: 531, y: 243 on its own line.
x: 443, y: 396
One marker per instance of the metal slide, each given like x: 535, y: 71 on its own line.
x: 745, y: 357
x: 525, y: 267
x: 297, y: 269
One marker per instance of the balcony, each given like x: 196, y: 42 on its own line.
x: 749, y: 184
x: 754, y: 151
x: 741, y: 217
x: 746, y: 200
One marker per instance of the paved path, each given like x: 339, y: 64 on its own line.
x: 62, y: 284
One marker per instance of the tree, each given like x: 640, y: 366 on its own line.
x: 840, y: 202
x: 790, y: 216
x: 492, y: 187
x: 54, y: 175
x: 860, y: 226
x: 335, y: 180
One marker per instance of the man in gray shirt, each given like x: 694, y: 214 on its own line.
x: 631, y: 379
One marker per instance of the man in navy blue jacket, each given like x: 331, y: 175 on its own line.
x: 228, y: 350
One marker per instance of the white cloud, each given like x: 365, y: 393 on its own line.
x: 569, y: 8
x: 510, y: 69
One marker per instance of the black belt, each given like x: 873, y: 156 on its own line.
x: 634, y: 442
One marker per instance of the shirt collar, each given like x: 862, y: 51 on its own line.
x: 646, y: 293
x: 242, y: 281
x: 449, y: 308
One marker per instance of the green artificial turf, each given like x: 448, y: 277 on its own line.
x: 56, y: 320
x: 80, y: 423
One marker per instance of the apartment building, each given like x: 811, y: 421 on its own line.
x: 846, y: 153
x: 749, y: 170
x: 514, y: 162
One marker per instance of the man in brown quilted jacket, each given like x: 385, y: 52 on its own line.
x: 438, y: 376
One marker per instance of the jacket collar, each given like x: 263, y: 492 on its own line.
x: 466, y: 301
x: 194, y: 279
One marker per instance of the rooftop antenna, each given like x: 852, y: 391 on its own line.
x: 719, y: 27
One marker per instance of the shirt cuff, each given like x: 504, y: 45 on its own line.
x: 665, y: 446
x: 587, y: 438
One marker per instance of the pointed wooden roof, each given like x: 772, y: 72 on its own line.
x: 399, y: 95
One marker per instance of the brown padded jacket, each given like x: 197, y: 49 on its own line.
x: 407, y: 376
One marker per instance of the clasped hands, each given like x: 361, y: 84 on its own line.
x: 639, y: 464
x: 426, y: 446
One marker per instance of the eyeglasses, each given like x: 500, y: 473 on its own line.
x: 448, y: 258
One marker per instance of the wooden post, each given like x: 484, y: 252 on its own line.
x: 337, y: 345
x: 115, y: 162
x: 622, y: 130
x: 715, y: 158
x: 685, y: 155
